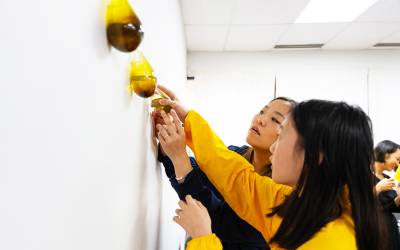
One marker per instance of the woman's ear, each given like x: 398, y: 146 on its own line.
x: 387, y: 156
x: 321, y: 158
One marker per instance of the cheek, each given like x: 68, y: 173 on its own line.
x: 389, y: 164
x: 270, y: 134
x: 280, y: 163
x: 298, y: 165
x: 287, y: 164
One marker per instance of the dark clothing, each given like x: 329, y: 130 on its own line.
x: 234, y: 233
x: 386, y: 199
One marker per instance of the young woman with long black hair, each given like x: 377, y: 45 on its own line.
x: 321, y: 195
x: 234, y: 233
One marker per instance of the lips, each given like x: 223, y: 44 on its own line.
x: 256, y: 130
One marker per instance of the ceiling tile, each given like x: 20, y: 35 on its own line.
x: 205, y: 38
x: 267, y: 11
x: 361, y: 35
x: 254, y: 37
x: 382, y: 11
x: 207, y: 11
x: 311, y: 33
x: 253, y: 25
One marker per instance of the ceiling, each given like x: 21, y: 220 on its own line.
x: 258, y: 25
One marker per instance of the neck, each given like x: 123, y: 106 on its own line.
x: 260, y: 159
x: 379, y: 167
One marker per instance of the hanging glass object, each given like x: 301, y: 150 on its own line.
x: 155, y: 101
x: 124, y: 30
x: 142, y: 80
x: 397, y: 173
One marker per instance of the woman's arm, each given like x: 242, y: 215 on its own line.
x: 250, y: 195
x: 208, y: 242
x: 195, y: 183
x: 193, y: 217
x: 388, y: 201
x: 192, y: 181
x: 384, y: 185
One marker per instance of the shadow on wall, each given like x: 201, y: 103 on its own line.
x: 149, y: 199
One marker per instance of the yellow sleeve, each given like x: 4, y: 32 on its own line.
x: 208, y: 242
x: 250, y: 195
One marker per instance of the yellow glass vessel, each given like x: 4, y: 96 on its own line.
x: 124, y: 31
x: 397, y: 174
x: 155, y: 101
x: 142, y: 80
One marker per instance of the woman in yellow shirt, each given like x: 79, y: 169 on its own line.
x: 322, y: 161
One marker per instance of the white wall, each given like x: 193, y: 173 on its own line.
x: 229, y: 88
x: 77, y: 162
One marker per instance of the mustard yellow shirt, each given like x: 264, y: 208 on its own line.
x: 250, y: 195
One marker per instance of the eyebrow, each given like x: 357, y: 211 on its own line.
x: 276, y: 112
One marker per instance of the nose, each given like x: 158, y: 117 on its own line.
x: 261, y: 121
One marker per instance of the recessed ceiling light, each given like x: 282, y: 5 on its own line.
x: 299, y: 46
x: 323, y: 11
x: 387, y: 45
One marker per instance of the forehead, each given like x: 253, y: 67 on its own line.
x: 397, y: 153
x: 279, y: 107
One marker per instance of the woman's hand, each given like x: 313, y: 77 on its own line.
x: 193, y: 217
x: 172, y: 139
x: 171, y: 135
x: 385, y: 185
x: 174, y: 103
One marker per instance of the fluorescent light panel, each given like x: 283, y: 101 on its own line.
x: 387, y: 45
x: 299, y: 46
x: 331, y: 11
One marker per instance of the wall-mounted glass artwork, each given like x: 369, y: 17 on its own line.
x: 142, y: 79
x: 124, y: 31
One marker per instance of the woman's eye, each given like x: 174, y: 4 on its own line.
x: 261, y: 112
x: 275, y: 120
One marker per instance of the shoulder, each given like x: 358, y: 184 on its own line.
x: 238, y: 149
x: 341, y: 231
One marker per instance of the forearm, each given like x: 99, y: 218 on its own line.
x: 397, y: 201
x: 167, y: 163
x: 182, y: 165
x: 197, y: 185
x: 248, y: 194
x: 378, y: 189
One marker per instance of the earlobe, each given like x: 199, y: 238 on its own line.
x: 386, y: 156
x: 321, y: 158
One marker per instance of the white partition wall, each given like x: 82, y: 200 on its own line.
x: 336, y: 84
x: 384, y: 90
x: 228, y: 94
x: 301, y: 75
x: 77, y: 159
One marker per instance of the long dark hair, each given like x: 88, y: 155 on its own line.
x: 383, y: 148
x: 338, y: 145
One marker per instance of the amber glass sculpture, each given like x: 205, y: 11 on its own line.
x: 142, y: 79
x: 124, y: 31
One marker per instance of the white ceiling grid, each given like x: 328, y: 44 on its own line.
x: 258, y: 25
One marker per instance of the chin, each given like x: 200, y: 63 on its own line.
x: 250, y: 139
